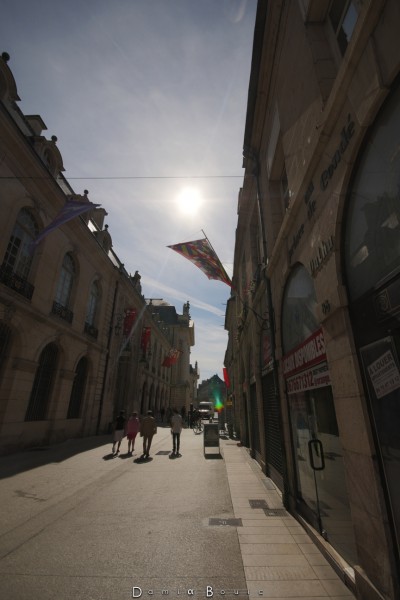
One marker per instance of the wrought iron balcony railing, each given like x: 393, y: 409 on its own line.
x: 15, y: 282
x: 61, y: 311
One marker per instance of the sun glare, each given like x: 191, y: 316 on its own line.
x: 189, y: 201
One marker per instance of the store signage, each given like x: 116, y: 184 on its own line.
x: 345, y: 136
x: 384, y: 374
x: 325, y: 249
x: 296, y: 239
x: 305, y: 355
x: 310, y: 379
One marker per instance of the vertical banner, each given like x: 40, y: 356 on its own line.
x: 226, y: 378
x: 129, y: 321
x: 146, y: 333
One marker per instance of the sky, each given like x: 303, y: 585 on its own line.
x: 148, y: 100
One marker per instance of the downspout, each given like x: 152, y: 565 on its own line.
x: 110, y: 330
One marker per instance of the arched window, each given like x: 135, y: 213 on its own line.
x: 299, y: 319
x: 43, y: 384
x: 78, y: 390
x: 18, y: 257
x: 66, y: 281
x: 94, y: 296
x: 372, y: 245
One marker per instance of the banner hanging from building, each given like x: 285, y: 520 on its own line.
x: 171, y: 358
x: 146, y: 334
x: 129, y: 321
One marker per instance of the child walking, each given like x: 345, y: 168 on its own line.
x: 132, y: 429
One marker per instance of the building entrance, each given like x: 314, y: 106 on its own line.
x: 321, y: 488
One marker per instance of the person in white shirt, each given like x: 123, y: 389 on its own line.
x: 176, y: 428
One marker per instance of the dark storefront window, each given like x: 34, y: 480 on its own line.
x: 318, y: 457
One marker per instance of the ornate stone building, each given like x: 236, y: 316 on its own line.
x: 78, y: 341
x: 314, y: 332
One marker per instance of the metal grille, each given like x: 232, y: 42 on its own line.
x: 258, y: 503
x: 276, y: 512
x: 225, y: 522
x: 255, y: 424
x: 272, y: 422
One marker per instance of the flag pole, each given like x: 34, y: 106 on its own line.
x: 212, y: 248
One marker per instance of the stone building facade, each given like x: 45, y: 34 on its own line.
x: 314, y: 332
x: 78, y: 340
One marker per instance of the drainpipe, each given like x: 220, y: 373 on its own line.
x: 110, y: 330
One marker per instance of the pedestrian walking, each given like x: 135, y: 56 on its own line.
x: 132, y: 429
x: 176, y: 428
x: 119, y: 431
x: 148, y: 428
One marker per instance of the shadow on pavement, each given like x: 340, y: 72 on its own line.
x: 31, y: 458
x: 213, y: 456
x: 142, y: 460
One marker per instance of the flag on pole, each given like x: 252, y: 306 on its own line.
x: 70, y: 210
x: 202, y: 254
x: 226, y: 377
x: 171, y: 358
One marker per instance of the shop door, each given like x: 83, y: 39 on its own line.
x: 322, y: 493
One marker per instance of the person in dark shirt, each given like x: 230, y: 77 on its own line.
x: 119, y: 431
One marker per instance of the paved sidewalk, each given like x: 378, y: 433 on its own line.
x: 280, y: 560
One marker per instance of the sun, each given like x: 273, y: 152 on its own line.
x: 189, y: 201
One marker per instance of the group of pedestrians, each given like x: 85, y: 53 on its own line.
x: 147, y: 427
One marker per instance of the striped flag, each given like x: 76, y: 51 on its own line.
x: 202, y: 254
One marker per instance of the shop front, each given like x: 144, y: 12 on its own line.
x: 321, y: 493
x: 372, y: 268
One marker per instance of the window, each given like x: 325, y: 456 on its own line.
x: 93, y: 303
x: 372, y: 241
x: 299, y: 315
x: 343, y: 16
x: 18, y: 258
x: 43, y: 384
x: 78, y: 390
x: 65, y: 283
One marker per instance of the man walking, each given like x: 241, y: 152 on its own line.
x: 148, y: 428
x: 176, y: 428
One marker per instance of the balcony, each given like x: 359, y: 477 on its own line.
x: 15, y: 282
x: 61, y: 311
x: 91, y: 330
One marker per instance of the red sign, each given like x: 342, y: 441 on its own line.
x: 310, y: 379
x: 305, y: 355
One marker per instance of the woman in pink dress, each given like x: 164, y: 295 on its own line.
x: 132, y: 429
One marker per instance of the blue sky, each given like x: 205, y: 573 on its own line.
x: 147, y: 98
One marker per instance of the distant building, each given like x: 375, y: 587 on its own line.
x: 180, y: 327
x: 213, y: 389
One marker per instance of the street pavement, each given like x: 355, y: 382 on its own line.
x: 76, y: 522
